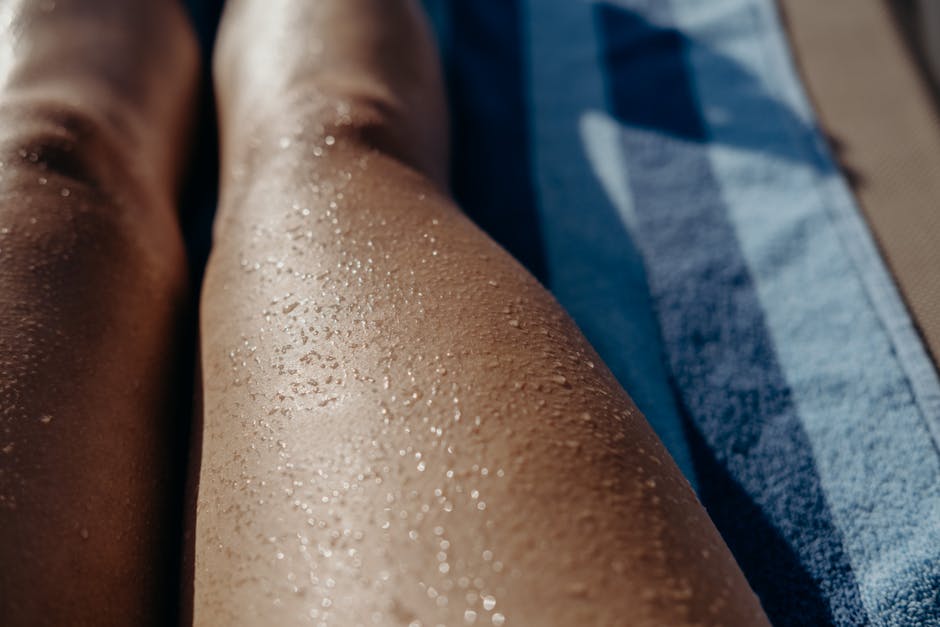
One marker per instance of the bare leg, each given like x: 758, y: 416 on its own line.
x: 94, y: 98
x: 401, y: 425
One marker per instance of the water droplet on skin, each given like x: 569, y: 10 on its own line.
x: 285, y: 142
x: 489, y: 602
x: 498, y: 619
x: 45, y: 419
x: 8, y: 448
x: 65, y: 192
x: 330, y: 140
x: 514, y: 323
x: 577, y: 589
x: 560, y: 379
x: 469, y: 617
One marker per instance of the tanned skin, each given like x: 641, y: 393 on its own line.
x: 401, y: 426
x: 95, y: 99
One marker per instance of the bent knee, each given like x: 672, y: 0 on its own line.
x: 65, y: 141
x: 72, y: 206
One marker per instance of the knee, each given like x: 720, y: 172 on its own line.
x: 74, y: 205
x: 49, y: 139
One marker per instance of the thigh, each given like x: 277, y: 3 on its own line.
x: 401, y: 425
x: 93, y: 110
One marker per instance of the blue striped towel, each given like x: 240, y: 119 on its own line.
x: 656, y: 164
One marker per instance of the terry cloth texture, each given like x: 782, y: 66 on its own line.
x: 657, y: 165
x: 878, y: 109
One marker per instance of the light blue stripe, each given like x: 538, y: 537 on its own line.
x: 594, y: 268
x: 860, y: 378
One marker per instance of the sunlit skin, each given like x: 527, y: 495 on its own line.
x: 95, y: 97
x: 401, y: 427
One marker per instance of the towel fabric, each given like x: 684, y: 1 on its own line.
x: 657, y: 166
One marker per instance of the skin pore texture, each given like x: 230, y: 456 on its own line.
x: 401, y: 426
x: 94, y: 105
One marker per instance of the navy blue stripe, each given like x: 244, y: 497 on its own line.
x: 757, y: 476
x: 491, y: 165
